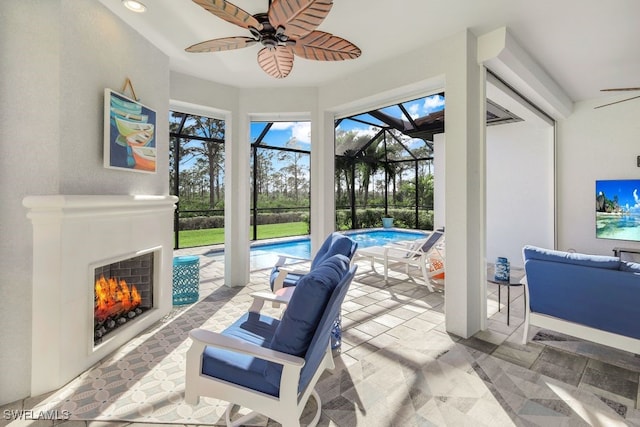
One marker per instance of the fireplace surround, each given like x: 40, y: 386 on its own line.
x: 72, y: 234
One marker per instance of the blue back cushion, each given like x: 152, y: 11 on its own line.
x: 596, y: 261
x: 304, y: 311
x: 321, y: 339
x: 336, y: 243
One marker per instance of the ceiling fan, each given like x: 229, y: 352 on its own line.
x: 287, y: 29
x: 622, y: 89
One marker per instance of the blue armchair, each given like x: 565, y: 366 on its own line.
x: 283, y: 275
x: 269, y: 365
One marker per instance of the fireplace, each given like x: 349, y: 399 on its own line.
x: 76, y: 240
x: 123, y: 293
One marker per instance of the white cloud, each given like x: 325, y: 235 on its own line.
x: 282, y: 125
x: 369, y: 131
x: 433, y: 103
x: 414, y: 111
x: 301, y: 131
x: 636, y: 198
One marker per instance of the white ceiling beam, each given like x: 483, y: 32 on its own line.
x: 502, y: 54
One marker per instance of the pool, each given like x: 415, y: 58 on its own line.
x: 265, y: 255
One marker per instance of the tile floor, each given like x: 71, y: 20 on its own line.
x: 398, y: 366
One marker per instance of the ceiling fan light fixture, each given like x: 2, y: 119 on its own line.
x: 134, y: 6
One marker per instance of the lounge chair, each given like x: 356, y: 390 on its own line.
x: 416, y: 253
x: 285, y: 273
x: 271, y: 365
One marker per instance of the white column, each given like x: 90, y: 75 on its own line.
x: 322, y: 178
x: 439, y: 179
x: 236, y: 200
x: 465, y: 300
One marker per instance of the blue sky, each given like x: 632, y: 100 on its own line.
x: 281, y: 132
x: 417, y: 108
x: 300, y: 132
x: 628, y: 192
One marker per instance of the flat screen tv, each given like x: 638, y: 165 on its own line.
x: 618, y: 209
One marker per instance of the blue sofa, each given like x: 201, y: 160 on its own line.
x: 592, y: 297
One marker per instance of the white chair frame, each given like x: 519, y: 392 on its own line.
x: 285, y: 409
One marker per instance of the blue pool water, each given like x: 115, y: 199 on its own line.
x: 264, y: 255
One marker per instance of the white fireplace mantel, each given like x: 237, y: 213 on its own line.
x: 72, y: 233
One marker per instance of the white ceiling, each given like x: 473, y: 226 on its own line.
x: 584, y: 45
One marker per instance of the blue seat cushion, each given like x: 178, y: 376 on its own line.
x: 304, y: 311
x: 596, y: 261
x: 243, y: 369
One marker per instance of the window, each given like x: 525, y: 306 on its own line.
x: 196, y: 176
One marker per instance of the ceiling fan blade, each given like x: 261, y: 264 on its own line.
x: 219, y: 45
x: 321, y: 46
x: 230, y: 13
x: 617, y: 102
x: 277, y: 62
x: 298, y: 17
x: 620, y: 89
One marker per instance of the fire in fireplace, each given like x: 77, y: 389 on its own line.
x: 123, y: 291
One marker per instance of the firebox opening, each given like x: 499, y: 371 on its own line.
x: 123, y: 292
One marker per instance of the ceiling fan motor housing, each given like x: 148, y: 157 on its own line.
x: 270, y: 37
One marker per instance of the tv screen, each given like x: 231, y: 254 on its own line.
x: 618, y: 209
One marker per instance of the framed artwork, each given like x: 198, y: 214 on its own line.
x: 129, y: 134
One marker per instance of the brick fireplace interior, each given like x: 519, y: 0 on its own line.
x: 123, y: 293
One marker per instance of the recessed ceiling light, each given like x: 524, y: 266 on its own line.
x: 134, y: 6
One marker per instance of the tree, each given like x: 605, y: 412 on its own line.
x: 296, y: 168
x: 208, y: 142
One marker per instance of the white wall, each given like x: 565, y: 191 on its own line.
x: 439, y: 184
x: 594, y: 144
x: 520, y: 206
x: 520, y: 198
x: 58, y: 57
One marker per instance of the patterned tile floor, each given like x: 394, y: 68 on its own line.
x: 398, y: 367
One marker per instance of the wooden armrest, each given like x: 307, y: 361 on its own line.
x: 203, y: 337
x: 278, y: 282
x: 282, y: 259
x: 282, y: 296
x: 299, y: 272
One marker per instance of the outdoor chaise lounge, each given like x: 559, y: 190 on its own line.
x: 417, y: 254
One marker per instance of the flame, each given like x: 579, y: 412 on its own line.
x: 113, y: 297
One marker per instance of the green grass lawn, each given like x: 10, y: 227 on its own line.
x: 214, y: 236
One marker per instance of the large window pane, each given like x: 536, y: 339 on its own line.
x: 197, y: 178
x: 280, y: 181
